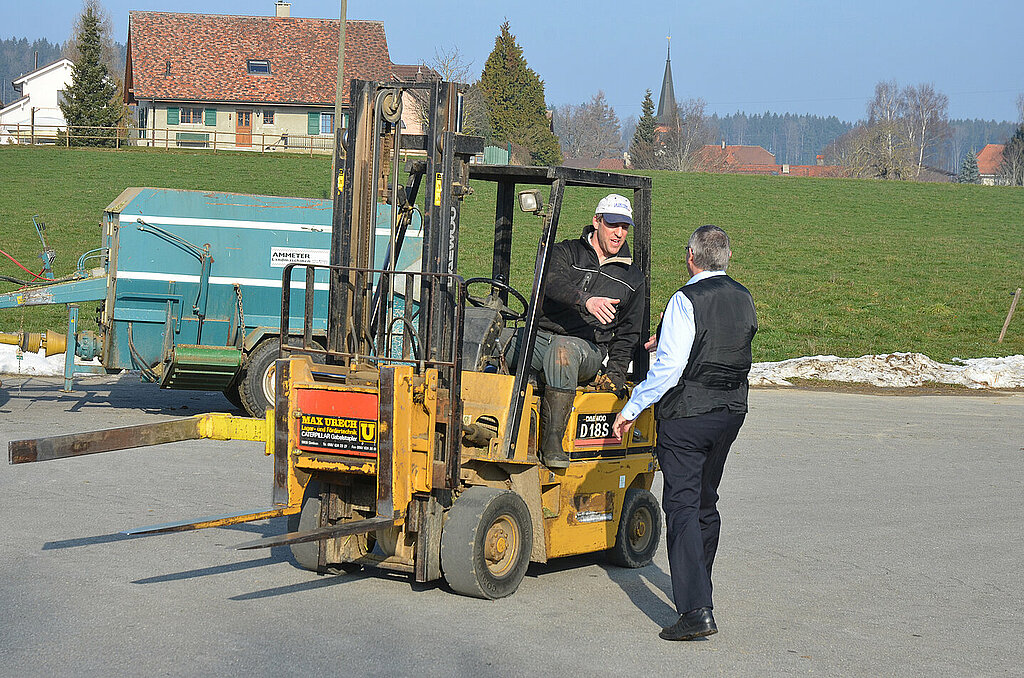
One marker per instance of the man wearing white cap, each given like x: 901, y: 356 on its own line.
x: 593, y: 309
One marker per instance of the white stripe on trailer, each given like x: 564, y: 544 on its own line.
x: 128, y: 220
x: 214, y: 280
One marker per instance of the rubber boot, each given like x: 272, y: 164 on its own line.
x: 555, y: 407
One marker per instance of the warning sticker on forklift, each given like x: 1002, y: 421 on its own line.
x: 282, y: 256
x: 338, y: 433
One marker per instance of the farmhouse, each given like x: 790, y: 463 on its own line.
x: 36, y: 112
x: 248, y: 82
x: 989, y: 160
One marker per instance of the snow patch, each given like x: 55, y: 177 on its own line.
x: 37, y: 364
x: 894, y: 370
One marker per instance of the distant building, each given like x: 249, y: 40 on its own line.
x: 726, y: 159
x: 246, y: 81
x: 989, y: 160
x: 40, y: 92
x: 667, y: 116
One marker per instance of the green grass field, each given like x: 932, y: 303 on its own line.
x: 839, y: 266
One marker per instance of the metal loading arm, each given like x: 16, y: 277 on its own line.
x: 213, y: 426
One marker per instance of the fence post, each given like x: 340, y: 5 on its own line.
x: 214, y: 139
x: 33, y: 130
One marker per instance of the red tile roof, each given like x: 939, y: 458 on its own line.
x: 208, y: 55
x: 990, y: 158
x: 730, y: 156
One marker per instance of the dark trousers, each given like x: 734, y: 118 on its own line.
x: 692, y: 452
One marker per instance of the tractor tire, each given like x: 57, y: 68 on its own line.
x: 639, y: 530
x: 486, y: 543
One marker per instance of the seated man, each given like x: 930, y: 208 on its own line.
x: 592, y: 310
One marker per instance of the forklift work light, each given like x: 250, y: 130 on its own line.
x: 530, y: 201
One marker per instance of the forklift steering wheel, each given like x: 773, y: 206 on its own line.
x: 492, y: 300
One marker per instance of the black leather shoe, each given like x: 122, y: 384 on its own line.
x: 692, y: 625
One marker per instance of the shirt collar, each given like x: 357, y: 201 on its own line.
x: 704, y: 274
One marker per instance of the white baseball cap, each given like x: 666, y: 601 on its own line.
x: 615, y: 209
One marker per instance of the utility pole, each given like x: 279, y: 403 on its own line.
x: 340, y: 82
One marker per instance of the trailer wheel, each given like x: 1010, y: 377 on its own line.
x: 234, y: 395
x: 639, y: 531
x: 486, y: 543
x: 257, y: 385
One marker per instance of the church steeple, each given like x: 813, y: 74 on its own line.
x: 667, y: 101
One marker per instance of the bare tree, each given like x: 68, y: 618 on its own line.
x: 588, y: 130
x: 451, y: 64
x: 926, y: 120
x: 683, y: 145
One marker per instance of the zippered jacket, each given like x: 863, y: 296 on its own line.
x: 573, y: 277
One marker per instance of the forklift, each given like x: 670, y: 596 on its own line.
x: 408, y: 441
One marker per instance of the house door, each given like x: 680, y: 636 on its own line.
x: 243, y: 129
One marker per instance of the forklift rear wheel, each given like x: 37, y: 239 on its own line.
x: 639, y: 530
x: 307, y: 554
x: 486, y: 543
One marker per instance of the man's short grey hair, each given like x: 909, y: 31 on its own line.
x: 710, y: 247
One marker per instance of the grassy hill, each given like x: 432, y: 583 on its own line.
x: 838, y: 266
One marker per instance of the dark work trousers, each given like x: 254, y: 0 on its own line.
x: 692, y: 452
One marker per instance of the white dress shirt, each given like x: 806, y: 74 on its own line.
x: 675, y: 342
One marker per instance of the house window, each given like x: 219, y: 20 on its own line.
x: 259, y: 67
x: 143, y: 121
x: 268, y: 116
x: 191, y: 115
x: 327, y: 123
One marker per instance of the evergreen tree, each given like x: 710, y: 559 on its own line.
x: 642, y: 148
x: 969, y: 170
x: 89, y: 99
x: 514, y: 94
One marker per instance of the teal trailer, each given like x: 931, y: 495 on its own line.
x: 190, y: 286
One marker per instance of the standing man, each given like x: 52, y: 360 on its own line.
x: 593, y: 309
x: 698, y: 384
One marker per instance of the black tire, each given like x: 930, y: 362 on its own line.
x: 307, y: 555
x: 486, y: 543
x: 639, y: 531
x: 234, y: 395
x: 257, y: 385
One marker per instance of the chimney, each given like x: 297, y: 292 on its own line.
x: 723, y: 144
x: 283, y: 9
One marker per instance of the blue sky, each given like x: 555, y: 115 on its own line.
x: 800, y: 56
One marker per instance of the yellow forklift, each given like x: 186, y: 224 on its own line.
x: 409, y: 441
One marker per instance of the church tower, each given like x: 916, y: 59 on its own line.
x: 667, y: 101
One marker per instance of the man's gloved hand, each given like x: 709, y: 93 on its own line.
x: 612, y: 382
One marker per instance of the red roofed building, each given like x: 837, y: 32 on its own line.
x: 250, y: 81
x: 756, y: 160
x: 989, y: 160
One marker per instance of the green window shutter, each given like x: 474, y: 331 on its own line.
x: 314, y: 124
x: 172, y: 116
x: 210, y: 117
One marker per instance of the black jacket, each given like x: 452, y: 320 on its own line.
x: 573, y: 277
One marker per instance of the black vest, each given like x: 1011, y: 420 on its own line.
x: 715, y: 376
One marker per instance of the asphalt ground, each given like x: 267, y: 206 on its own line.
x: 863, y: 535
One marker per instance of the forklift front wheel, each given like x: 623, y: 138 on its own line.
x: 639, y: 530
x: 486, y: 543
